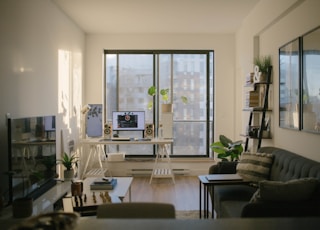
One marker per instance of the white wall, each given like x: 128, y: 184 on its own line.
x: 224, y: 51
x: 32, y: 34
x: 292, y: 18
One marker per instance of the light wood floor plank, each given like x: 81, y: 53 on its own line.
x: 184, y: 194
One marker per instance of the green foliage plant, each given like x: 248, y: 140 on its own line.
x: 69, y: 161
x: 227, y: 149
x: 164, y: 94
x: 263, y: 62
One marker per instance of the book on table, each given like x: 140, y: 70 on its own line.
x: 224, y: 177
x: 103, y: 184
x: 104, y: 180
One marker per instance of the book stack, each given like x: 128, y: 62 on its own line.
x: 103, y: 184
x: 253, y: 99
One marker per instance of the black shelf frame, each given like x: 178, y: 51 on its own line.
x: 263, y: 110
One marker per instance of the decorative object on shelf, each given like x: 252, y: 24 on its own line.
x: 164, y: 94
x: 69, y: 162
x: 262, y: 64
x: 227, y: 149
x: 259, y: 125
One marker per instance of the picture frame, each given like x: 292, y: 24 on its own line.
x: 289, y: 85
x: 311, y: 81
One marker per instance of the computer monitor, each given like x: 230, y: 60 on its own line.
x: 128, y: 121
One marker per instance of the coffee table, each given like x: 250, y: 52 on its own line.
x: 122, y: 188
x: 94, y: 198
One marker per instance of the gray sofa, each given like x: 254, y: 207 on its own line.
x: 240, y: 200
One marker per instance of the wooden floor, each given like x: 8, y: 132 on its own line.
x: 184, y: 194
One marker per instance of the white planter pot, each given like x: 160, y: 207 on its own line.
x: 68, y: 174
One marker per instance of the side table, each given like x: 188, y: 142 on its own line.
x: 208, y: 182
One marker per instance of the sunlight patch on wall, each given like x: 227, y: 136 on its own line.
x: 70, y: 90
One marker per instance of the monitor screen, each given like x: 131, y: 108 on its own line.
x: 128, y: 120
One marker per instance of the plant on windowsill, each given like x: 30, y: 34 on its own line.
x: 164, y: 94
x: 69, y: 162
x: 227, y: 149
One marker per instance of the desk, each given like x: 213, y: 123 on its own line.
x: 96, y: 148
x: 215, y: 179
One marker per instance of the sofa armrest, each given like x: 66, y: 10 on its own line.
x: 276, y: 209
x: 224, y: 167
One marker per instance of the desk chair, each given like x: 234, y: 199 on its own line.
x: 136, y: 210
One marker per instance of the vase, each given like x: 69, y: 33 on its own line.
x: 68, y: 174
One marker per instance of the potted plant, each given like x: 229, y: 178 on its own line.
x: 263, y: 62
x: 68, y: 162
x: 227, y: 149
x: 164, y: 94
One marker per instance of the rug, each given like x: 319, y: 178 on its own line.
x: 188, y: 214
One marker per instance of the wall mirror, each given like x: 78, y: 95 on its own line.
x: 289, y: 85
x: 311, y: 81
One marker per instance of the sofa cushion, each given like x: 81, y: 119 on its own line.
x: 255, y: 166
x: 231, y: 193
x: 290, y: 191
x: 232, y: 208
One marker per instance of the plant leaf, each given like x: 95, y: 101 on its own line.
x: 184, y: 99
x: 225, y: 141
x: 150, y: 105
x: 164, y: 91
x: 152, y: 90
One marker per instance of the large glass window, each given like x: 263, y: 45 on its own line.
x: 129, y: 74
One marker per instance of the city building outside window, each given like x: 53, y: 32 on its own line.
x: 128, y: 76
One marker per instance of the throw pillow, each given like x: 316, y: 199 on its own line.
x: 255, y: 166
x: 293, y: 190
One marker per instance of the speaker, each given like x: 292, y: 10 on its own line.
x: 149, y: 131
x: 108, y: 130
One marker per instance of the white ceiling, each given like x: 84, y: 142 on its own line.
x: 157, y: 16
